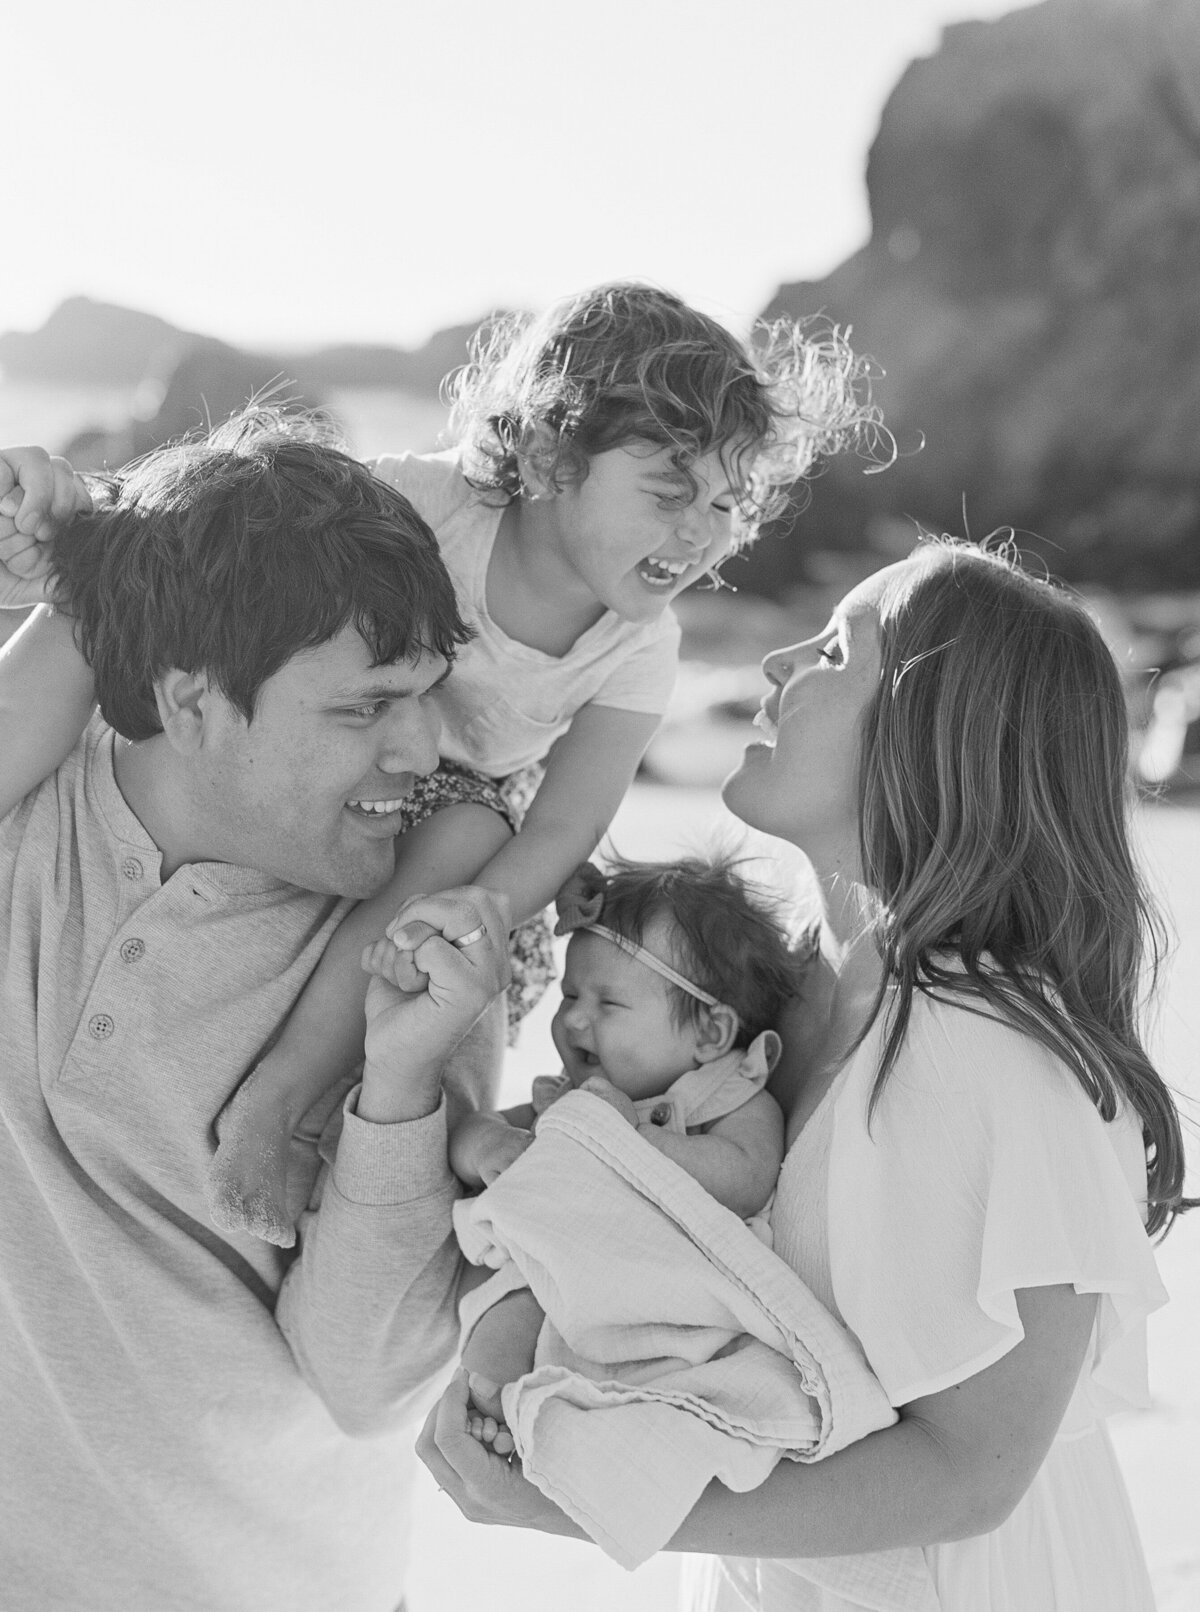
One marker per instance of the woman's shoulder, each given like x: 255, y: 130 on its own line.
x: 963, y: 1061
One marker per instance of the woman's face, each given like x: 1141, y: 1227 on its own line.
x: 799, y: 780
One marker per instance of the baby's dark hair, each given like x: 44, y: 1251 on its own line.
x: 728, y: 936
x: 626, y: 362
x: 227, y: 554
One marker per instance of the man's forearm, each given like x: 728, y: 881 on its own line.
x: 368, y: 1308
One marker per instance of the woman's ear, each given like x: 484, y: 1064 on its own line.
x: 718, y: 1031
x: 180, y: 698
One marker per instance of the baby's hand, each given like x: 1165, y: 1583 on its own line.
x: 601, y: 1087
x: 483, y: 1150
x: 37, y: 493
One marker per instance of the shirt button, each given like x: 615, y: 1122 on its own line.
x: 100, y: 1026
x: 131, y: 868
x: 132, y: 949
x: 660, y: 1114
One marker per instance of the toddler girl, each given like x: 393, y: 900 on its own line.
x: 675, y: 976
x: 610, y: 454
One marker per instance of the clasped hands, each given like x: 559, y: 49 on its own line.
x: 444, y: 958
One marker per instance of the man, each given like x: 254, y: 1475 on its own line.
x: 193, y: 1421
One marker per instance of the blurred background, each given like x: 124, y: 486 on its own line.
x: 1002, y: 202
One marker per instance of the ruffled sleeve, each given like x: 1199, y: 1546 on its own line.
x: 985, y: 1169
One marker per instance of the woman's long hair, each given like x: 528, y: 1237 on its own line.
x: 994, y: 827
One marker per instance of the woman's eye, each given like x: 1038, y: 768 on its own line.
x: 831, y: 653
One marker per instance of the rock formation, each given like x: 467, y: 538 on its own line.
x: 1031, y: 288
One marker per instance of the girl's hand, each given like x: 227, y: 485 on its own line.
x: 37, y: 494
x: 485, y: 1487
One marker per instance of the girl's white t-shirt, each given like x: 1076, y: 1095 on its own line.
x: 507, y: 702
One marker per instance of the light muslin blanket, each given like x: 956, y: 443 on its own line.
x: 677, y: 1348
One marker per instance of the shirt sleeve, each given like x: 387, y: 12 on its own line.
x: 643, y: 679
x: 368, y: 1307
x: 432, y: 482
x: 984, y: 1169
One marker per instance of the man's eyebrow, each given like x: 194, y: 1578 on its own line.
x: 385, y: 690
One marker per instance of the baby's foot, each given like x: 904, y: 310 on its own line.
x: 247, y: 1178
x: 485, y: 1415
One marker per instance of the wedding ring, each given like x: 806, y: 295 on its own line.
x: 470, y: 937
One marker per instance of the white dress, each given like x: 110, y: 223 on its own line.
x: 986, y: 1169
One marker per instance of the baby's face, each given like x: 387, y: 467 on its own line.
x: 615, y: 1018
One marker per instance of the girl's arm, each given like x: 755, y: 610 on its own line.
x: 954, y: 1466
x: 588, y: 772
x: 46, y: 698
x: 736, y: 1160
x: 323, y: 1036
x: 46, y: 690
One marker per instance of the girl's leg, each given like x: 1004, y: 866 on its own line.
x: 323, y: 1037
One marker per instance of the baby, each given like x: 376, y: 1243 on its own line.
x: 675, y: 975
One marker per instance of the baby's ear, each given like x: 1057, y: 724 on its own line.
x: 718, y: 1031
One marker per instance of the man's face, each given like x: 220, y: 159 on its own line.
x: 308, y: 791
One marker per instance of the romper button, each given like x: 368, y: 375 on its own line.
x: 660, y: 1114
x: 100, y: 1027
x: 131, y: 868
x: 132, y: 949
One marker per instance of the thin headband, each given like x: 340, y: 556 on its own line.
x: 632, y: 949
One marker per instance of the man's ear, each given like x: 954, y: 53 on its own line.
x: 718, y: 1031
x: 181, y: 698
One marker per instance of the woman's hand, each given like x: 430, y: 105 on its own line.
x: 485, y: 1487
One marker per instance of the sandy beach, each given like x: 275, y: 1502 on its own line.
x: 458, y: 1567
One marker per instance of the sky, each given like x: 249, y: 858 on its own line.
x: 295, y: 172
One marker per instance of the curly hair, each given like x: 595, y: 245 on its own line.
x: 229, y: 553
x: 728, y: 936
x: 994, y: 801
x: 625, y: 362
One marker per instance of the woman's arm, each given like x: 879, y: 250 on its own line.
x: 954, y: 1465
x: 588, y: 771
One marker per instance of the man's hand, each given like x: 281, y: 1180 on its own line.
x: 457, y: 944
x: 38, y: 493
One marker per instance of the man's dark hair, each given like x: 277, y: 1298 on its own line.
x: 231, y: 553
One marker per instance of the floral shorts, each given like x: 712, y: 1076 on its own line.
x: 531, y: 948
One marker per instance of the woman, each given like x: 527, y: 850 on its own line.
x: 975, y: 1164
